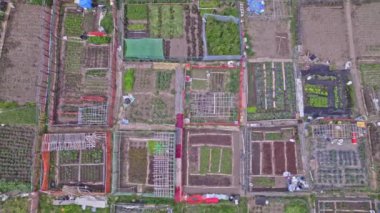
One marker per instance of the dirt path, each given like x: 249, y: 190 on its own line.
x: 354, y: 70
x: 180, y: 84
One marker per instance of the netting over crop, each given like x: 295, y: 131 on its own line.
x: 71, y: 141
x: 144, y: 162
x: 146, y: 48
x: 336, y: 131
x: 93, y: 115
x: 217, y: 104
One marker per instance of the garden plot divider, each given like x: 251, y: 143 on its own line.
x: 208, y: 57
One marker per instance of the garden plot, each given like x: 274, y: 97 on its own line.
x: 271, y: 152
x: 77, y: 158
x: 212, y: 95
x: 16, y: 144
x: 334, y: 160
x: 145, y: 163
x: 270, y: 39
x: 280, y: 205
x: 370, y: 77
x: 274, y: 10
x: 21, y: 53
x: 346, y: 205
x: 326, y: 92
x: 366, y: 32
x: 324, y: 34
x: 158, y: 21
x: 271, y: 91
x: 82, y: 85
x: 209, y: 160
x: 154, y: 96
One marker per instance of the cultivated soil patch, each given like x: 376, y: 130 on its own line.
x: 270, y: 39
x: 154, y: 93
x: 366, y: 30
x: 323, y: 33
x: 211, y: 159
x: 271, y: 154
x: 19, y: 63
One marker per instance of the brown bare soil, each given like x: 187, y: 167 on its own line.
x: 209, y: 180
x: 152, y: 109
x: 366, y: 29
x: 256, y: 158
x: 177, y: 48
x: 211, y: 139
x: 269, y: 38
x: 96, y: 56
x: 193, y: 157
x: 19, y: 63
x: 150, y: 173
x: 137, y: 159
x: 92, y: 173
x: 279, y: 156
x: 353, y: 205
x: 145, y: 81
x: 267, y: 159
x: 323, y: 33
x: 68, y: 174
x: 291, y: 158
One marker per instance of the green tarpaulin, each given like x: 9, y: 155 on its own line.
x: 144, y: 48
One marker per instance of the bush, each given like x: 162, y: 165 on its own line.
x: 7, y: 186
x: 107, y: 23
x: 99, y: 39
x: 129, y: 80
x: 223, y: 38
x: 251, y: 109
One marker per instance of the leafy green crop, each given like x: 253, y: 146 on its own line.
x: 163, y: 80
x: 136, y: 11
x: 129, y: 80
x: 136, y: 27
x: 73, y: 24
x: 99, y: 39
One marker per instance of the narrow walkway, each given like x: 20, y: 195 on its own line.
x: 354, y: 69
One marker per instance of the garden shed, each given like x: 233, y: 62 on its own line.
x: 145, y: 48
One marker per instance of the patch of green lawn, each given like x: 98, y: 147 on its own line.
x: 226, y: 164
x: 266, y: 182
x: 205, y: 159
x: 296, y: 206
x: 215, y: 160
x: 273, y: 136
x: 25, y: 114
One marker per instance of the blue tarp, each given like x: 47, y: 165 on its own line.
x: 86, y: 4
x: 256, y: 6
